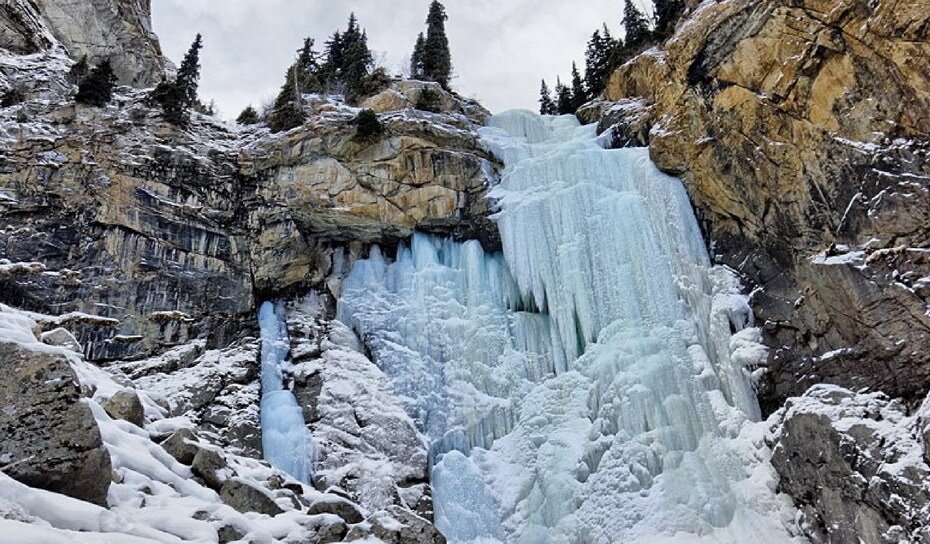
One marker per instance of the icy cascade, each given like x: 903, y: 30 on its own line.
x: 438, y: 320
x: 285, y: 439
x: 588, y: 387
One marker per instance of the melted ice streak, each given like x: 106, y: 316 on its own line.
x: 586, y: 385
x: 285, y: 439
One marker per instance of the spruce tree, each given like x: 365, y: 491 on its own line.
x: 96, y: 89
x: 667, y: 13
x: 249, y: 116
x: 636, y: 25
x: 437, y: 59
x: 416, y: 60
x: 579, y: 93
x: 597, y: 61
x: 189, y: 72
x: 332, y: 66
x: 288, y: 109
x: 348, y: 65
x: 546, y: 104
x: 368, y: 126
x: 177, y: 97
x: 308, y: 59
x: 564, y: 99
x: 79, y: 71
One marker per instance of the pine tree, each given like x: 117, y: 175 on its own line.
x: 667, y: 13
x: 308, y: 59
x: 597, y: 61
x: 437, y: 59
x: 332, y: 66
x: 189, y: 72
x: 348, y: 65
x: 546, y: 104
x: 96, y: 89
x: 249, y: 116
x: 368, y: 126
x: 564, y: 99
x: 288, y: 109
x: 579, y: 93
x: 636, y: 25
x: 79, y: 71
x: 416, y: 60
x: 177, y: 97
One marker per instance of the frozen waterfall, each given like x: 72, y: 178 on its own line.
x: 285, y: 439
x: 585, y: 386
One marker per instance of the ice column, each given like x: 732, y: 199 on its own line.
x: 285, y: 439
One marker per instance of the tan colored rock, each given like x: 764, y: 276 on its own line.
x: 125, y: 405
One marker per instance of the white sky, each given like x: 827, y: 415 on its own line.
x: 500, y: 48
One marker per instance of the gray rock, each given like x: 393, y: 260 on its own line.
x: 333, y: 532
x: 210, y: 465
x: 334, y: 504
x: 245, y: 497
x: 397, y: 525
x: 853, y: 464
x: 62, y: 338
x: 120, y: 30
x: 126, y: 405
x: 50, y: 439
x: 228, y: 533
x: 182, y: 445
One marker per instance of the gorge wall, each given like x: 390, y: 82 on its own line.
x: 119, y: 30
x: 801, y: 131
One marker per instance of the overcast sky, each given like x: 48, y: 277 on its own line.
x: 500, y: 48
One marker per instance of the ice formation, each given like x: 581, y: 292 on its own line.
x: 285, y: 440
x: 586, y: 385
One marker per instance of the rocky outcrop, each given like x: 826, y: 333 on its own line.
x: 800, y: 129
x: 48, y: 436
x: 368, y: 447
x: 119, y: 30
x: 855, y: 465
x: 169, y: 235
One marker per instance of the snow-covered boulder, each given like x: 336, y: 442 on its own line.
x: 48, y: 436
x: 856, y: 466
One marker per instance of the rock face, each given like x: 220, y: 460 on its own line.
x: 169, y: 235
x: 854, y: 467
x: 49, y: 437
x: 800, y: 129
x: 119, y: 30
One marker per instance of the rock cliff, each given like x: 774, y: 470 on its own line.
x: 119, y: 30
x: 162, y: 236
x: 801, y: 130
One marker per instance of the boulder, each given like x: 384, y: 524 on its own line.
x: 210, y: 465
x: 336, y: 505
x: 125, y: 405
x: 50, y: 439
x: 247, y: 497
x: 228, y: 533
x: 63, y: 338
x: 397, y: 525
x: 182, y: 445
x: 332, y: 532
